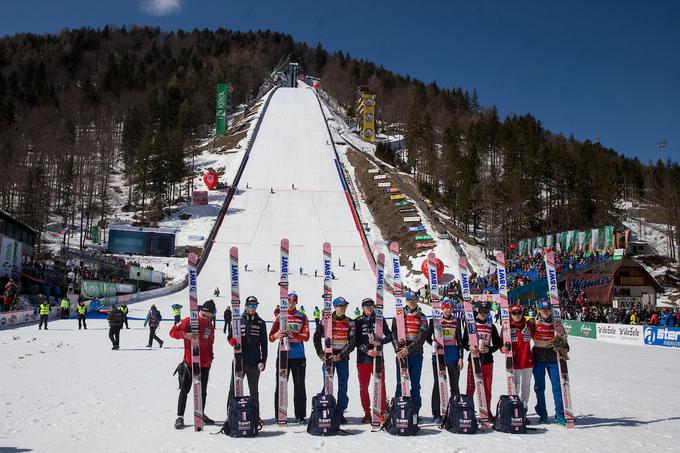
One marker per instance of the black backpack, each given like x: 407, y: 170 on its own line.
x: 460, y: 415
x: 511, y: 415
x: 241, y: 418
x: 402, y: 419
x: 325, y: 417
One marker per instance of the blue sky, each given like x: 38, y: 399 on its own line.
x: 607, y: 69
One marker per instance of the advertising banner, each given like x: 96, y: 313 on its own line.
x: 399, y: 196
x: 598, y: 287
x: 581, y: 240
x: 620, y: 333
x: 368, y: 117
x: 416, y: 228
x: 580, y: 329
x: 379, y: 176
x: 403, y: 210
x: 608, y: 237
x: 374, y: 170
x: 423, y: 237
x: 7, y: 257
x: 662, y: 336
x: 411, y: 219
x: 90, y: 289
x: 384, y: 184
x: 403, y: 203
x: 221, y: 109
x: 16, y: 317
x: 147, y: 275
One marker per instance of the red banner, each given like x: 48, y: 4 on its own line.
x: 597, y: 287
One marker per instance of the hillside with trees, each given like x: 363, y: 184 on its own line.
x: 79, y: 106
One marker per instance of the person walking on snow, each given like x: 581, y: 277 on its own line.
x: 177, y: 312
x: 153, y: 319
x: 82, y: 309
x: 298, y: 333
x: 65, y: 307
x: 206, y: 338
x: 44, y: 310
x: 227, y: 318
x: 545, y: 360
x: 521, y: 353
x: 366, y: 354
x: 253, y: 350
x: 343, y: 341
x: 115, y: 318
x: 124, y: 309
x: 453, y: 353
x: 489, y: 342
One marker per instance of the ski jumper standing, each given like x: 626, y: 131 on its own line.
x: 416, y: 333
x: 366, y: 353
x: 206, y: 337
x: 521, y: 353
x: 343, y: 341
x: 489, y: 342
x: 298, y: 333
x: 453, y: 352
x: 253, y: 350
x: 545, y: 359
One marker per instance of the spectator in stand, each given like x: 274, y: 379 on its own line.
x: 10, y: 294
x: 677, y: 317
x: 654, y: 320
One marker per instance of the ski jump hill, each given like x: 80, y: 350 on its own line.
x: 65, y: 390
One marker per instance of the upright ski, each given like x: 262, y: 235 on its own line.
x: 559, y: 330
x: 236, y: 322
x: 505, y: 322
x: 282, y: 417
x: 195, y: 346
x: 378, y: 397
x: 471, y: 326
x: 397, y: 291
x: 438, y: 343
x: 327, y: 319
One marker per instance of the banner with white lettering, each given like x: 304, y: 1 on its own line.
x: 620, y: 333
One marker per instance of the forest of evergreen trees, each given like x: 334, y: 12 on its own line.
x: 78, y: 106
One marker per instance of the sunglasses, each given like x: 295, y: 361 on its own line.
x: 251, y: 305
x: 516, y: 312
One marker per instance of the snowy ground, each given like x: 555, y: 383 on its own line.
x: 65, y: 390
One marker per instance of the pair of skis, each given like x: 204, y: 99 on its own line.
x: 195, y: 344
x: 471, y: 326
x: 551, y: 275
x: 438, y: 343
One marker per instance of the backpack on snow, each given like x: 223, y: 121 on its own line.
x: 460, y: 415
x: 325, y: 417
x: 241, y: 418
x: 510, y: 415
x: 402, y: 419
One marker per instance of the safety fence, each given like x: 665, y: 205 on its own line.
x: 625, y: 333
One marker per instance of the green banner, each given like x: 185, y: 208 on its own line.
x: 609, y: 237
x: 588, y: 239
x: 540, y: 241
x: 403, y: 203
x: 522, y: 247
x: 221, y: 106
x: 423, y: 237
x: 580, y: 329
x: 94, y: 234
x: 93, y: 288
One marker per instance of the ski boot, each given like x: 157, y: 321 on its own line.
x: 179, y: 423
